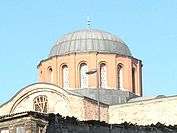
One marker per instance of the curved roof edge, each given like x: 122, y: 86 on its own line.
x: 141, y: 99
x: 38, y: 83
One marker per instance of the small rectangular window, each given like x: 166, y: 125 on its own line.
x: 20, y: 130
x: 6, y: 130
x: 40, y: 129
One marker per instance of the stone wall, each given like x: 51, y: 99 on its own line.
x: 163, y: 110
x: 28, y: 122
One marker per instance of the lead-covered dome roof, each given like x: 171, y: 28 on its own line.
x: 89, y: 40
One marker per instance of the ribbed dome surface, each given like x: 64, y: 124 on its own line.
x: 89, y: 40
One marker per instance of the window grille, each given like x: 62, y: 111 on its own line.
x: 40, y: 104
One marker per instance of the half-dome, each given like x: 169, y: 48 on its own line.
x: 89, y: 40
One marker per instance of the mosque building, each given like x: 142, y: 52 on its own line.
x: 89, y: 74
x: 79, y: 52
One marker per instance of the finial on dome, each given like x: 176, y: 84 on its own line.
x: 89, y: 22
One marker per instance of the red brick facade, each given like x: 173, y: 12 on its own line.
x: 91, y: 110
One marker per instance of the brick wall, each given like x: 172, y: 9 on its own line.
x: 91, y: 110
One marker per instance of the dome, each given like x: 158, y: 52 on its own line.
x: 89, y: 40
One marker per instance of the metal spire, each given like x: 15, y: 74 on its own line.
x: 89, y: 22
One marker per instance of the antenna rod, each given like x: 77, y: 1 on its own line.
x: 89, y: 22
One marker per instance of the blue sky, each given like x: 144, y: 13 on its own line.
x: 28, y: 29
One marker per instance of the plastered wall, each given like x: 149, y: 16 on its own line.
x: 162, y: 110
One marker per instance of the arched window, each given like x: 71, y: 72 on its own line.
x: 50, y: 74
x: 119, y: 76
x: 83, y: 75
x: 103, y: 76
x: 65, y: 76
x: 40, y: 103
x: 133, y: 80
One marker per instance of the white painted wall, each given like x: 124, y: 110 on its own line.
x: 162, y: 110
x: 59, y: 101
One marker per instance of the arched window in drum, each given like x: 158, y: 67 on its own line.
x: 103, y: 76
x: 65, y: 76
x: 83, y: 75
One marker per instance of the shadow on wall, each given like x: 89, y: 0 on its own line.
x: 59, y: 124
